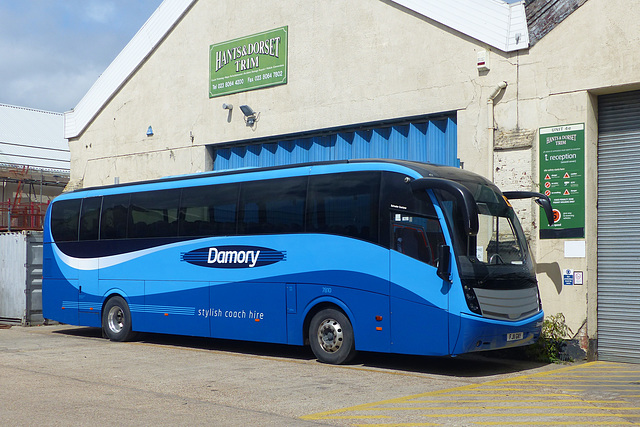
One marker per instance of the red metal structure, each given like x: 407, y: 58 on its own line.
x: 22, y: 216
x: 18, y: 209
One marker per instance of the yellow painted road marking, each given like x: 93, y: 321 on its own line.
x: 511, y: 394
x: 517, y: 401
x: 513, y: 423
x: 397, y: 425
x: 320, y: 415
x: 556, y: 423
x: 454, y: 408
x: 581, y: 385
x: 348, y: 417
x: 539, y: 414
x: 592, y: 379
x: 518, y: 391
x: 598, y: 372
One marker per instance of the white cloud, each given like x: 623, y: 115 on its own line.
x: 100, y: 11
x: 61, y: 90
x: 50, y: 77
x: 51, y: 52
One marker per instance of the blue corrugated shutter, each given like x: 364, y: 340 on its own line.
x: 431, y: 141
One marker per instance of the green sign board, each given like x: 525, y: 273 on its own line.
x: 248, y: 63
x: 562, y: 179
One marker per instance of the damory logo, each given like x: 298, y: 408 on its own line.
x: 233, y: 256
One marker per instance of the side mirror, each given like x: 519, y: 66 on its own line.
x: 444, y: 263
x: 541, y: 199
x: 546, y: 206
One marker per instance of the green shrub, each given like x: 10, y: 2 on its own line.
x: 551, y: 341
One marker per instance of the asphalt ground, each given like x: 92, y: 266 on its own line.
x: 65, y: 375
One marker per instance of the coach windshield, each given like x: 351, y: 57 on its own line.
x: 497, y: 256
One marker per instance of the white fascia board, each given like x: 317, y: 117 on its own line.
x: 494, y: 22
x: 126, y: 63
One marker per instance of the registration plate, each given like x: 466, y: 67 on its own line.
x: 515, y: 336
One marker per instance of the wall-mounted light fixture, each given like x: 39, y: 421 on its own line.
x: 149, y: 131
x: 228, y: 107
x: 250, y: 116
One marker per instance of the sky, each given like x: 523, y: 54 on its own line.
x: 53, y: 51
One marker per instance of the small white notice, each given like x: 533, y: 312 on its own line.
x: 575, y: 249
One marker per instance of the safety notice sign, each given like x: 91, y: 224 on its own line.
x: 562, y: 179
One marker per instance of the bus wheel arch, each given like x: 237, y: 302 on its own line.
x: 329, y: 332
x: 116, y: 319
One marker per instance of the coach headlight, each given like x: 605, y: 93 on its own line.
x: 472, y: 300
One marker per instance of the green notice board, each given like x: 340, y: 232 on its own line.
x: 562, y: 179
x: 248, y: 63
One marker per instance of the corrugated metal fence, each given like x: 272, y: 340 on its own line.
x: 21, y: 278
x: 424, y: 140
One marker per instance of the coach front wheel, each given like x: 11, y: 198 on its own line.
x: 331, y: 337
x: 116, y: 320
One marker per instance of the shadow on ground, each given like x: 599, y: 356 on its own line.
x: 468, y: 365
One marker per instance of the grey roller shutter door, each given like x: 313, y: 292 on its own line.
x: 619, y: 227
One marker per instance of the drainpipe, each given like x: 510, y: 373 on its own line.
x: 491, y: 125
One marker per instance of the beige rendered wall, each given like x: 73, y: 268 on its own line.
x: 592, y: 52
x: 348, y: 63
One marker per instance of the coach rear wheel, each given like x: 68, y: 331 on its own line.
x: 116, y: 320
x: 331, y: 337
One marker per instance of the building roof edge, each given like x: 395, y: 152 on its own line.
x: 494, y: 22
x: 161, y: 22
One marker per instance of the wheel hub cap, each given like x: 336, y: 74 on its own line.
x: 115, y: 319
x: 330, y: 335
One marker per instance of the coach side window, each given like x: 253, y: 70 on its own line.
x: 345, y: 204
x: 415, y: 229
x: 64, y: 220
x: 115, y: 211
x: 90, y: 218
x: 154, y: 214
x: 417, y: 236
x: 274, y: 206
x: 209, y: 210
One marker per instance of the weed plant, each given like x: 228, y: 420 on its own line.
x: 552, y: 339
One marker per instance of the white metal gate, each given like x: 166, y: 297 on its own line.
x: 619, y: 227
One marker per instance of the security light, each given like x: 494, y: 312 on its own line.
x: 250, y: 116
x: 247, y: 111
x: 227, y: 106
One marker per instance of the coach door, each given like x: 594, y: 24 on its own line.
x: 419, y: 298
